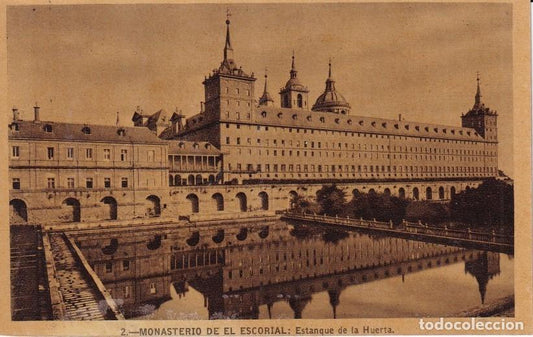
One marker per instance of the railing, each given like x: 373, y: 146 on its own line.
x: 408, y: 228
x: 467, y: 234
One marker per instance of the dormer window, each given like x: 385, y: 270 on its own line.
x: 349, y: 121
x: 280, y: 115
x: 373, y: 124
x: 195, y: 145
x: 361, y: 123
x: 86, y: 130
x: 14, y: 127
x: 384, y: 125
x: 295, y: 116
x: 427, y: 129
x: 264, y: 113
x: 121, y: 132
x: 322, y: 119
x: 407, y: 126
x: 181, y: 145
x: 47, y: 128
x: 436, y: 130
x: 309, y: 118
x: 417, y: 128
x: 337, y: 120
x: 208, y: 146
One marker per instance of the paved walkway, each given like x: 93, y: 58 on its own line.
x: 80, y: 299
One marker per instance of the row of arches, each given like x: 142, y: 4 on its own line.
x: 415, y: 192
x: 241, y: 202
x: 71, y: 210
x: 191, y: 180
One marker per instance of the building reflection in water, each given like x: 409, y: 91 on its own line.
x: 239, y: 268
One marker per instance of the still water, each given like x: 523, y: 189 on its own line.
x: 278, y: 270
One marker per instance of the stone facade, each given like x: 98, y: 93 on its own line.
x: 239, y: 156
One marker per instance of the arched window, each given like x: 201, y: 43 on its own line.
x: 300, y: 100
x: 286, y: 101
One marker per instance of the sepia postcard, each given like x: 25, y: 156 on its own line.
x: 266, y: 169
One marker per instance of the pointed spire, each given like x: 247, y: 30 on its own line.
x: 266, y: 99
x: 228, y: 50
x: 330, y: 82
x: 294, y: 72
x: 478, y: 93
x: 118, y: 118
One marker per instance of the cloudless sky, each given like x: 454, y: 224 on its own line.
x: 83, y: 63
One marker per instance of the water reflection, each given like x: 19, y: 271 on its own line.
x: 276, y: 270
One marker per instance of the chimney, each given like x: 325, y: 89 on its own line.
x: 16, y: 116
x: 36, y: 112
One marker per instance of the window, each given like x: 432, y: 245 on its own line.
x: 151, y: 155
x: 227, y: 140
x: 107, y: 154
x: 15, y: 152
x: 89, y: 182
x: 89, y: 153
x: 108, y: 267
x: 70, y: 182
x: 50, y: 151
x: 153, y: 289
x: 51, y: 182
x: 16, y: 183
x: 123, y: 155
x: 107, y: 182
x: 125, y: 265
x: 127, y: 292
x: 86, y: 130
x: 124, y: 182
x: 70, y: 153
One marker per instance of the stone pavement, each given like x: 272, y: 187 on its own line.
x: 79, y: 296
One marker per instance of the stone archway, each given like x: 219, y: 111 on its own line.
x: 195, y: 204
x: 219, y: 201
x: 429, y: 193
x: 18, y: 211
x: 441, y: 193
x: 153, y: 206
x: 263, y: 196
x: 73, y: 210
x: 401, y: 193
x: 242, y: 202
x: 293, y: 197
x: 111, y: 204
x: 416, y: 194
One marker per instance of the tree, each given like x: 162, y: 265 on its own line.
x: 492, y: 203
x: 426, y: 211
x: 331, y: 199
x: 379, y: 206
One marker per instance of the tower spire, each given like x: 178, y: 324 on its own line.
x: 329, y: 75
x: 228, y: 50
x: 294, y: 72
x: 266, y: 99
x: 478, y: 93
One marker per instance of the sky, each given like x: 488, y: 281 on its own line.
x: 85, y: 63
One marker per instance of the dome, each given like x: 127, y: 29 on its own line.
x: 331, y: 100
x: 294, y: 83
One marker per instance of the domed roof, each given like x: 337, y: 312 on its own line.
x: 331, y: 100
x: 294, y: 82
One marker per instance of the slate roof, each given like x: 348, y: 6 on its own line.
x: 274, y: 116
x: 70, y: 132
